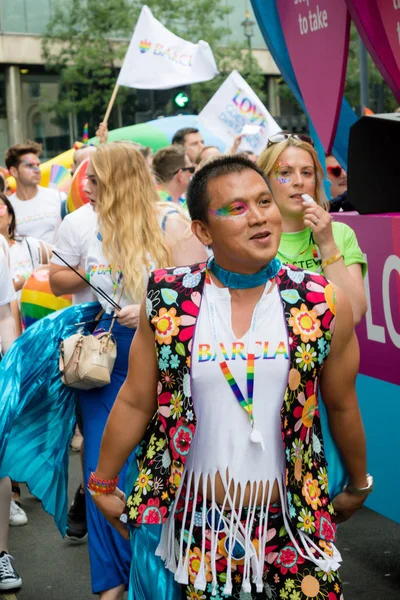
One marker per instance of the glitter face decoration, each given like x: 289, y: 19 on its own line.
x: 279, y: 177
x: 237, y: 209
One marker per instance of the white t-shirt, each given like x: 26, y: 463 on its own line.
x: 72, y: 243
x: 7, y: 292
x: 25, y: 256
x: 103, y: 276
x: 269, y: 343
x: 39, y: 216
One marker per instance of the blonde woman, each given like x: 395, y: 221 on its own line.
x: 135, y: 234
x: 310, y: 239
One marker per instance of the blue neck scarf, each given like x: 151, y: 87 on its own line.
x: 239, y: 281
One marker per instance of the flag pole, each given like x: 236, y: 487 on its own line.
x: 111, y: 103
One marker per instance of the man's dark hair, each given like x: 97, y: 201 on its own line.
x: 197, y: 194
x: 180, y: 135
x: 14, y: 153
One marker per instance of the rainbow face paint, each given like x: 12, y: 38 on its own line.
x: 30, y: 165
x: 278, y: 177
x: 237, y: 209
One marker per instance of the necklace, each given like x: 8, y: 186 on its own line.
x: 245, y: 403
x: 239, y: 281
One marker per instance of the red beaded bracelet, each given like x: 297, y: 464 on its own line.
x: 98, y: 487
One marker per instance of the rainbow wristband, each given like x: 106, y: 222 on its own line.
x: 100, y: 487
x: 332, y: 259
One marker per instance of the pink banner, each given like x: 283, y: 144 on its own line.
x: 317, y: 37
x: 379, y: 331
x: 378, y: 23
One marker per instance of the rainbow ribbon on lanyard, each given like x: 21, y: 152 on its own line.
x: 246, y: 404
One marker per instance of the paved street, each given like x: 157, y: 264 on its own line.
x: 54, y: 570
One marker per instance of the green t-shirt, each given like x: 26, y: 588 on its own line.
x: 298, y: 249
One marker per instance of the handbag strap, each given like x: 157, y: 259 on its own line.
x: 96, y: 289
x: 114, y: 317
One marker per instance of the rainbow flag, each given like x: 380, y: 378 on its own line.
x: 60, y: 178
x: 85, y: 137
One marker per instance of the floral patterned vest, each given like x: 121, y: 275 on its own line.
x: 172, y: 305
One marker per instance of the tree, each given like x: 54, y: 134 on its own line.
x: 86, y: 40
x: 382, y: 99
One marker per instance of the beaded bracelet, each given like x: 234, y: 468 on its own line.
x: 332, y: 259
x: 98, y: 487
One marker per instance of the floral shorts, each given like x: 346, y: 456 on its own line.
x: 287, y: 575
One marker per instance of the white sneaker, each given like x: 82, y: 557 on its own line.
x: 9, y: 578
x: 17, y: 515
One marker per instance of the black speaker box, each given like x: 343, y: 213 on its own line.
x: 374, y: 165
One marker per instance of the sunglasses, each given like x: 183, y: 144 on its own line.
x: 237, y: 548
x: 335, y: 171
x: 190, y: 169
x: 3, y: 210
x: 281, y: 137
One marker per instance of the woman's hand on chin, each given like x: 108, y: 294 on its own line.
x: 128, y: 316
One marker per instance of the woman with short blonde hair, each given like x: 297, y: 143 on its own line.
x: 310, y: 239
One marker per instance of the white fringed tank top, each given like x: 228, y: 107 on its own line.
x: 223, y: 441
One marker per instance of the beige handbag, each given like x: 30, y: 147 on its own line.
x: 87, y: 361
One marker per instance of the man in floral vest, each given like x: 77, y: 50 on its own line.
x: 222, y: 388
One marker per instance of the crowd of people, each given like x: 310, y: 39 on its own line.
x: 231, y: 294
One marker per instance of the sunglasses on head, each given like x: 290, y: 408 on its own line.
x: 281, y: 137
x: 335, y: 171
x: 190, y: 169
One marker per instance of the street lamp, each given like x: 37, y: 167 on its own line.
x: 248, y: 25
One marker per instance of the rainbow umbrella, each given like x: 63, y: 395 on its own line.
x: 159, y: 133
x: 37, y: 300
x: 76, y: 195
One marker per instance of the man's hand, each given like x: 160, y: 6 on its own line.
x: 112, y: 507
x: 346, y: 505
x: 236, y: 144
x: 102, y: 133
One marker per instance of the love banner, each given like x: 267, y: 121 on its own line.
x: 317, y: 35
x: 378, y: 23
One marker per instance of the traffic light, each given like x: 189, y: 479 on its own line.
x: 181, y: 101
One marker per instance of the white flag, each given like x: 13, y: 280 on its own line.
x: 158, y: 59
x: 234, y: 109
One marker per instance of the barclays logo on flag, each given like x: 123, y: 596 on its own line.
x: 144, y: 46
x: 159, y: 59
